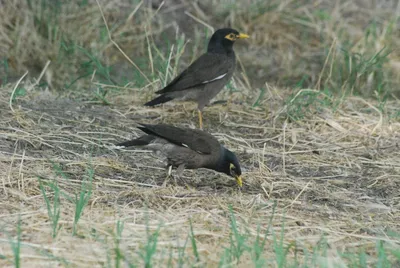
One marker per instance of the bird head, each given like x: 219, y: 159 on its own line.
x: 229, y: 164
x: 223, y: 39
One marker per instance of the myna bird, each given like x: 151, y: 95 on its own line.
x: 185, y: 148
x: 205, y: 77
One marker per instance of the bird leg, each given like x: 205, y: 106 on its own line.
x: 200, y: 120
x: 179, y: 173
x: 169, y: 170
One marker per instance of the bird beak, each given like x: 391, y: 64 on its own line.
x: 243, y: 36
x: 239, y: 181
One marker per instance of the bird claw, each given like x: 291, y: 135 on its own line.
x: 200, y: 119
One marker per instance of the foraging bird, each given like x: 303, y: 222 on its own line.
x: 187, y: 148
x: 205, y: 77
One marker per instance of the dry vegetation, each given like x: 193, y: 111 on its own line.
x: 321, y: 165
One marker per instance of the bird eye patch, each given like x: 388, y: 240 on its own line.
x: 232, y: 166
x: 231, y: 36
x: 234, y: 37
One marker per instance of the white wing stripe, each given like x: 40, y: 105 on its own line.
x: 216, y: 78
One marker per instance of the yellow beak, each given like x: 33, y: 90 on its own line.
x: 239, y: 181
x: 243, y: 36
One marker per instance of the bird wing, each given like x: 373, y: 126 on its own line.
x: 193, y: 139
x: 206, y: 69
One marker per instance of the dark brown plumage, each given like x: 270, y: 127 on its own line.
x: 187, y: 148
x: 205, y: 77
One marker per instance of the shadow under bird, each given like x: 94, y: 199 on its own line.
x: 206, y: 76
x: 185, y: 148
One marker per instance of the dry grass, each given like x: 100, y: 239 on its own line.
x: 334, y: 175
x: 330, y: 178
x: 289, y: 46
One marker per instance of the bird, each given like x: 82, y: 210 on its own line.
x: 185, y: 148
x: 206, y: 76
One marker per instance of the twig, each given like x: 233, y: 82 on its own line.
x: 297, y: 196
x: 40, y: 76
x: 200, y: 21
x: 15, y: 89
x: 325, y: 63
x: 116, y: 45
x: 284, y: 147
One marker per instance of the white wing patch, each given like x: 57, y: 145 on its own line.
x: 216, y: 78
x: 185, y: 145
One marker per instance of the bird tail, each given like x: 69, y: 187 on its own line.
x: 158, y: 100
x: 144, y: 140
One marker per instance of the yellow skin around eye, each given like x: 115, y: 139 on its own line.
x: 234, y: 37
x: 231, y: 37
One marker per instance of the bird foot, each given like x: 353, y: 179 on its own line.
x: 188, y: 187
x: 165, y: 182
x: 218, y: 102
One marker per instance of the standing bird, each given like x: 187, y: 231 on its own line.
x: 187, y: 148
x: 205, y: 77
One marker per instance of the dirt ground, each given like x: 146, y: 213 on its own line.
x: 335, y: 175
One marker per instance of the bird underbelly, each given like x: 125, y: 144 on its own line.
x: 210, y: 91
x: 178, y: 156
x: 178, y: 162
x: 202, y: 95
x: 188, y: 95
x: 174, y: 155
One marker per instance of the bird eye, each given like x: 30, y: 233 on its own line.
x: 232, y: 167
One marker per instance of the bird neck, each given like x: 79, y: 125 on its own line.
x: 220, y: 47
x: 220, y: 165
